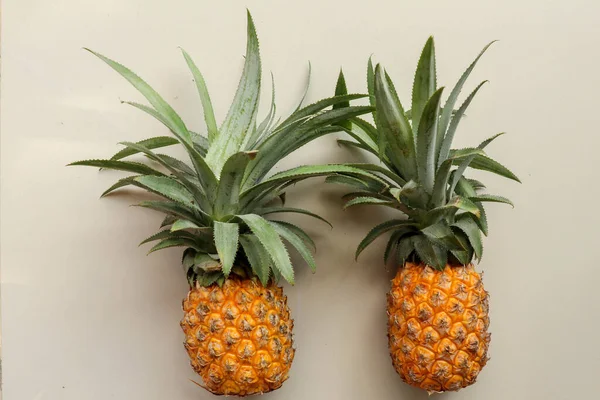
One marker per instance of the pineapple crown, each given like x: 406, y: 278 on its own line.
x: 217, y: 207
x: 423, y: 176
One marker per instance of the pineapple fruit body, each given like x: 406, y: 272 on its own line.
x: 239, y: 336
x: 438, y: 326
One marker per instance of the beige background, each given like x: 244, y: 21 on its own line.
x: 86, y: 315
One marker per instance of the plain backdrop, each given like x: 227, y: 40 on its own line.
x: 86, y: 315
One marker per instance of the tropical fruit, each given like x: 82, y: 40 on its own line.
x: 236, y: 321
x: 437, y: 306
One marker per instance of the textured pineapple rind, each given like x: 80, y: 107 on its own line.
x: 239, y: 336
x: 438, y: 326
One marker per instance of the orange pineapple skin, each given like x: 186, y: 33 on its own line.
x: 438, y: 326
x: 239, y: 336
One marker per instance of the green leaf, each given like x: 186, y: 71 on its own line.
x: 463, y: 256
x: 298, y: 244
x: 397, y: 179
x: 367, y: 200
x: 200, y: 143
x: 130, y: 180
x: 470, y: 228
x: 340, y: 90
x: 168, y: 220
x: 366, y: 134
x: 192, y: 187
x: 391, y: 244
x: 315, y: 108
x: 476, y: 184
x: 441, y: 234
x: 275, y: 210
x: 303, y: 172
x: 242, y: 113
x: 298, y: 231
x: 463, y: 165
x: 151, y: 143
x: 451, y: 102
x: 285, y: 141
x: 405, y: 248
x: 431, y: 254
x: 424, y: 84
x: 394, y: 128
x: 209, y: 114
x: 181, y: 224
x: 259, y: 259
x: 175, y: 242
x: 272, y: 243
x: 226, y: 242
x: 485, y: 163
x: 491, y: 198
x: 305, y: 88
x: 206, y: 263
x: 444, y: 149
x: 172, y: 120
x: 412, y: 194
x: 171, y: 208
x: 350, y: 181
x: 205, y: 175
x: 128, y: 166
x: 371, y: 83
x: 158, y: 235
x: 446, y: 211
x: 178, y: 165
x: 426, y: 137
x: 442, y: 176
x: 466, y: 190
x: 228, y: 190
x: 263, y: 130
x: 167, y: 187
x: 380, y: 230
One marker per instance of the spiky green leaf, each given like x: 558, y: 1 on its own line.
x: 380, y: 230
x: 168, y: 188
x: 491, y: 198
x: 276, y: 210
x: 424, y: 84
x: 172, y: 120
x: 451, y: 102
x: 430, y: 253
x: 209, y: 114
x: 226, y: 242
x: 426, y: 138
x: 128, y: 166
x: 444, y: 149
x: 151, y: 143
x: 470, y: 228
x: 242, y: 113
x: 297, y: 242
x: 395, y: 130
x: 258, y: 257
x: 228, y: 190
x: 366, y: 200
x: 272, y: 243
x: 182, y: 224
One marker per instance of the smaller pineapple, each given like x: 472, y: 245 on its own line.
x: 437, y: 306
x: 236, y: 321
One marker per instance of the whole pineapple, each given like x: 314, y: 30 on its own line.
x: 236, y: 321
x: 437, y: 306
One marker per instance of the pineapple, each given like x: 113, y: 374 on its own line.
x: 437, y: 305
x: 236, y: 321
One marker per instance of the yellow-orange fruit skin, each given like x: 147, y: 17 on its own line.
x: 239, y: 336
x: 438, y: 326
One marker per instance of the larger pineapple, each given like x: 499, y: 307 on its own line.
x: 437, y: 306
x: 237, y: 325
